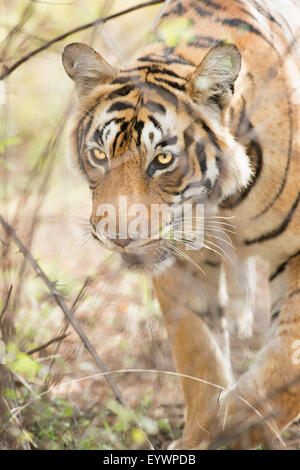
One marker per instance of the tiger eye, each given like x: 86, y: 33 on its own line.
x: 164, y: 158
x: 99, y: 154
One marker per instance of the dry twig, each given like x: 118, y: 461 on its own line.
x: 8, y: 70
x: 61, y: 303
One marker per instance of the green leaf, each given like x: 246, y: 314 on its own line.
x: 175, y: 30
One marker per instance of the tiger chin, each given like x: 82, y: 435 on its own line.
x: 208, y: 122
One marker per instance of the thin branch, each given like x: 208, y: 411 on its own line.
x: 60, y: 302
x: 45, y: 345
x: 7, y: 71
x: 6, y: 303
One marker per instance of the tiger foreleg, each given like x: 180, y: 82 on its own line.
x: 200, y: 360
x: 267, y: 398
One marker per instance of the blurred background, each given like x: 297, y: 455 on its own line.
x: 51, y: 395
x: 47, y: 202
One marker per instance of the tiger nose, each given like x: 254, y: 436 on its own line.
x: 122, y: 242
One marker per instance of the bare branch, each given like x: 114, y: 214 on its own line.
x: 45, y: 345
x: 6, y: 302
x: 60, y: 302
x: 7, y: 71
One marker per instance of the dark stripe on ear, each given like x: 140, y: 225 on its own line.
x: 279, y: 230
x: 120, y: 106
x: 124, y: 91
x: 282, y: 266
x: 155, y: 107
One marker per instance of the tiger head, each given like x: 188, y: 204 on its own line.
x: 154, y: 134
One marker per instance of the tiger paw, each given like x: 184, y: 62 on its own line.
x: 242, y: 424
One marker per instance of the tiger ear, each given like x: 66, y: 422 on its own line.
x: 213, y: 81
x: 86, y: 67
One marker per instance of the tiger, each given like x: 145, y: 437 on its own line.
x: 206, y: 113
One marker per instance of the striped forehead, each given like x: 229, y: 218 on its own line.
x: 151, y: 128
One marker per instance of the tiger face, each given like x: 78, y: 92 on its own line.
x: 153, y: 135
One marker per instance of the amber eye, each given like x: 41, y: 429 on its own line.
x: 161, y: 161
x: 164, y: 158
x: 98, y: 156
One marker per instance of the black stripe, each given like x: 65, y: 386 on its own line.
x: 265, y: 13
x: 210, y: 3
x: 253, y: 149
x: 169, y: 141
x: 79, y: 141
x: 139, y: 126
x: 123, y: 91
x: 295, y: 292
x: 176, y: 184
x: 127, y: 78
x: 178, y: 10
x: 188, y: 139
x: 282, y: 266
x: 195, y: 184
x: 165, y: 60
x: 172, y: 84
x: 123, y: 128
x: 201, y: 156
x: 279, y: 230
x: 286, y: 170
x: 212, y: 264
x: 275, y: 315
x: 151, y: 69
x: 98, y: 134
x: 201, y: 12
x: 212, y: 136
x: 155, y: 122
x: 120, y: 106
x: 243, y: 25
x: 161, y: 91
x: 155, y: 107
x: 203, y: 41
x: 81, y: 133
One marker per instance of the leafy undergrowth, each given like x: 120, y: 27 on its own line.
x: 51, y: 393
